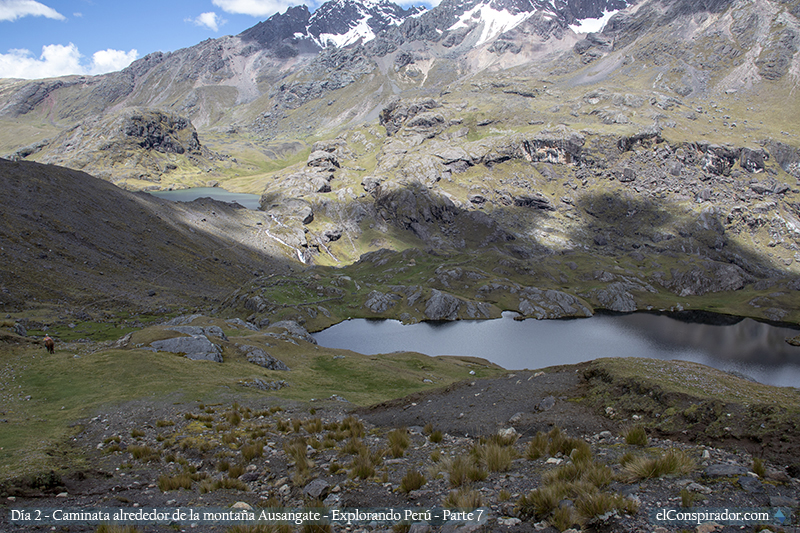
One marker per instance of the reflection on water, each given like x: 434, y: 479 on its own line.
x: 749, y: 347
x: 250, y: 201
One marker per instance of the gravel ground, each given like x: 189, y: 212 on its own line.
x: 130, y: 449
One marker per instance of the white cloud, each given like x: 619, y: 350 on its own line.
x: 14, y: 9
x: 210, y: 20
x: 255, y: 8
x: 111, y: 60
x: 60, y: 60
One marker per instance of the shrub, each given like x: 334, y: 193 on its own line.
x: 413, y: 480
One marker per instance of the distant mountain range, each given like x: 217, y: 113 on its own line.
x: 653, y: 141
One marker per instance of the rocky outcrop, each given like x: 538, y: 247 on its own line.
x: 379, y: 302
x: 195, y: 347
x: 293, y: 329
x: 548, y: 303
x: 259, y: 357
x: 395, y: 115
x: 444, y: 306
x: 213, y: 331
x: 162, y: 132
x: 714, y: 277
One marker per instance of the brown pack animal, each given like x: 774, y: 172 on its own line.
x: 50, y: 344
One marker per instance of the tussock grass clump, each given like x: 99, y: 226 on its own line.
x: 364, y: 462
x: 413, y: 480
x: 352, y: 446
x: 251, y: 451
x: 506, y: 439
x: 196, y: 444
x: 671, y: 462
x: 564, y: 518
x: 353, y: 426
x: 436, y: 437
x: 580, y: 480
x: 555, y: 442
x: 296, y: 449
x: 399, y: 440
x: 223, y: 465
x: 636, y: 436
x: 233, y: 418
x: 179, y: 481
x: 222, y: 484
x: 688, y: 498
x: 137, y: 433
x: 313, y: 425
x: 144, y: 453
x: 236, y: 470
x: 463, y: 498
x: 428, y: 429
x: 362, y: 466
x: 593, y: 506
x: 541, y: 502
x: 113, y: 528
x: 164, y: 423
x: 496, y: 457
x: 759, y: 468
x: 463, y: 470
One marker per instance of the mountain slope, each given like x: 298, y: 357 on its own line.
x: 70, y: 238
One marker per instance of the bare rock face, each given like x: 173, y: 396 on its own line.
x: 547, y: 304
x: 442, y: 306
x: 715, y: 277
x: 162, y: 132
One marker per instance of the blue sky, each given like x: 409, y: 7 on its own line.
x: 43, y: 38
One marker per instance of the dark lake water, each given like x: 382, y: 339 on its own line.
x: 753, y: 348
x: 250, y: 201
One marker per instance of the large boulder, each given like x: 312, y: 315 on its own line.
x: 259, y: 357
x: 195, y: 347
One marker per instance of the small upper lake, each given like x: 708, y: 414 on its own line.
x: 250, y: 201
x: 752, y: 348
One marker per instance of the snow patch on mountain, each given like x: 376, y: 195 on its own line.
x: 593, y: 25
x: 494, y: 21
x: 359, y: 30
